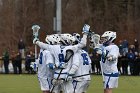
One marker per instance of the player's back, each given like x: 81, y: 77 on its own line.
x: 45, y: 57
x: 59, y: 52
x: 84, y: 67
x: 59, y: 55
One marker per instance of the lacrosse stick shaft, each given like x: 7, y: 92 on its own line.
x: 102, y: 71
x: 82, y: 75
x: 35, y: 52
x: 56, y: 79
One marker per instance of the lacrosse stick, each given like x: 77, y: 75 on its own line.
x: 94, y: 39
x: 35, y: 29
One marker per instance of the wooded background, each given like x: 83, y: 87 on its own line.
x: 18, y: 16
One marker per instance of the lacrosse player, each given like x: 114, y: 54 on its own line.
x: 63, y: 54
x: 71, y: 67
x: 55, y: 40
x: 45, y: 63
x: 81, y: 78
x: 109, y: 58
x: 82, y: 75
x: 44, y: 72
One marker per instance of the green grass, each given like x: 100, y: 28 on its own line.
x: 29, y: 84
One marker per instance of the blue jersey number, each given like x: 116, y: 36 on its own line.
x: 104, y: 55
x: 85, y: 59
x: 61, y: 58
x: 40, y: 58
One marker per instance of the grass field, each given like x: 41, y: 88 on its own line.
x: 29, y: 84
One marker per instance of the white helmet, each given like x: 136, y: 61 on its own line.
x: 67, y: 39
x: 94, y: 40
x: 77, y: 36
x: 107, y: 37
x: 57, y: 37
x: 52, y: 39
x: 47, y: 39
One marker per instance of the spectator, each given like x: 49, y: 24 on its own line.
x: 125, y: 46
x: 21, y: 47
x: 124, y: 62
x: 32, y: 56
x: 137, y: 64
x: 6, y: 61
x: 136, y: 44
x: 29, y: 58
x: 17, y: 63
x: 28, y: 62
x: 13, y: 58
x: 93, y: 63
x: 119, y: 65
x: 32, y: 60
x: 132, y: 47
x: 120, y: 47
x: 97, y: 63
x: 131, y: 56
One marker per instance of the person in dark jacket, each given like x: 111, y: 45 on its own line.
x: 28, y: 62
x: 124, y: 62
x: 131, y: 56
x: 19, y: 63
x: 21, y: 47
x: 137, y: 65
x: 125, y: 46
x: 97, y: 63
x: 13, y: 58
x: 6, y: 61
x: 138, y: 62
x: 136, y: 44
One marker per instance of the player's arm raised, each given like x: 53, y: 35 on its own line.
x: 85, y: 32
x: 41, y: 44
x: 83, y: 41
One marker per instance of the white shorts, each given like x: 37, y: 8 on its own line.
x: 110, y: 82
x: 57, y: 88
x: 67, y: 87
x: 44, y: 84
x: 81, y: 86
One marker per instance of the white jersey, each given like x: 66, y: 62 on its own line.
x: 45, y: 57
x: 110, y: 67
x: 59, y: 51
x: 83, y: 58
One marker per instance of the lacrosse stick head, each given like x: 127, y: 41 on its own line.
x: 35, y: 29
x: 94, y: 40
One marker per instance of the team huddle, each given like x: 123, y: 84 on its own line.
x: 64, y: 66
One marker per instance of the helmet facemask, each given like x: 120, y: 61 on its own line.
x: 77, y: 38
x: 108, y: 37
x: 103, y: 40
